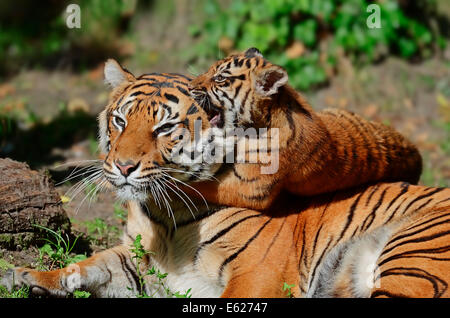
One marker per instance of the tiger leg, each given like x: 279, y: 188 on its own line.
x: 106, y: 274
x: 243, y: 186
x: 415, y: 261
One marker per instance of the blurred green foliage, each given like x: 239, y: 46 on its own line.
x: 307, y: 36
x: 37, y: 32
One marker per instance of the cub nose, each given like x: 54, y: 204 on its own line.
x: 196, y: 91
x: 126, y: 168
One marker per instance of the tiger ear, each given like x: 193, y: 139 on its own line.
x: 116, y: 74
x: 253, y: 52
x: 268, y: 80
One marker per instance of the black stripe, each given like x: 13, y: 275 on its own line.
x: 360, y: 131
x: 303, y: 245
x: 142, y: 84
x: 192, y: 110
x: 426, y: 195
x: 385, y: 293
x: 222, y: 233
x: 244, y: 100
x: 407, y: 254
x: 427, y: 221
x: 233, y: 214
x: 442, y: 201
x: 239, y: 77
x: 417, y: 231
x: 138, y: 93
x: 372, y: 215
x: 419, y: 273
x: 405, y: 187
x: 130, y: 276
x: 417, y: 240
x: 375, y: 188
x: 350, y: 216
x: 172, y: 98
x: 183, y: 91
x: 292, y: 126
x: 243, y: 248
x: 275, y: 237
x: 241, y: 178
x: 315, y: 239
x: 324, y: 251
x: 134, y: 275
x: 238, y: 88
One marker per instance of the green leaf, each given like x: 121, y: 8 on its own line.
x: 4, y: 265
x: 407, y: 47
x: 81, y: 294
x: 306, y: 32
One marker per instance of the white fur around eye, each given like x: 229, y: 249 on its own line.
x: 119, y: 122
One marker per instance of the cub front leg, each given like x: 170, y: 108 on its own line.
x: 110, y: 273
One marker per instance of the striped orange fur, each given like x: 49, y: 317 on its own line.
x: 319, y: 152
x: 383, y: 240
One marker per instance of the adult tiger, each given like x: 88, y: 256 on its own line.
x: 318, y: 152
x: 394, y: 236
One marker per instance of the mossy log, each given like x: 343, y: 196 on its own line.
x: 27, y: 198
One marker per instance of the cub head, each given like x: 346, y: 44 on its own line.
x: 233, y: 88
x: 148, y: 133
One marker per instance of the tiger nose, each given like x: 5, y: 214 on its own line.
x: 126, y: 168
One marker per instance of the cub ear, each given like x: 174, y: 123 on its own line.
x: 252, y: 52
x: 116, y: 74
x: 268, y: 80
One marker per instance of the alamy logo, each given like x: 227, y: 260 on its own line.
x: 233, y: 145
x: 73, y: 19
x: 374, y: 19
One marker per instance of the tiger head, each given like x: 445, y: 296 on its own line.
x: 232, y: 90
x: 147, y: 133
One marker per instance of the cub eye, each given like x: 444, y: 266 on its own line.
x: 164, y: 129
x: 119, y: 122
x: 219, y: 78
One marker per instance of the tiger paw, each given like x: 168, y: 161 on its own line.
x: 39, y: 283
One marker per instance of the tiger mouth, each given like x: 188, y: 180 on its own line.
x: 215, y: 117
x: 214, y: 113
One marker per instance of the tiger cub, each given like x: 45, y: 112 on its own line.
x: 318, y: 152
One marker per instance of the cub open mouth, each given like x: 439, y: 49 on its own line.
x: 215, y: 116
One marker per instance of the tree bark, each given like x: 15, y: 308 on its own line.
x: 27, y: 198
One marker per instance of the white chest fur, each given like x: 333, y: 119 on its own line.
x: 179, y: 257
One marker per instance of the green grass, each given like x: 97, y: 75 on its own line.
x: 288, y: 290
x: 57, y: 251
x: 120, y: 212
x: 81, y: 294
x: 99, y: 232
x: 138, y: 252
x: 23, y: 292
x: 4, y: 265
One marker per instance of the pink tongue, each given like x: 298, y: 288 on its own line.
x: 215, y: 120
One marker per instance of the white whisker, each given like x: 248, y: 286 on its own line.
x: 187, y: 185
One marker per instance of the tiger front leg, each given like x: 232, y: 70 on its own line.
x: 105, y: 274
